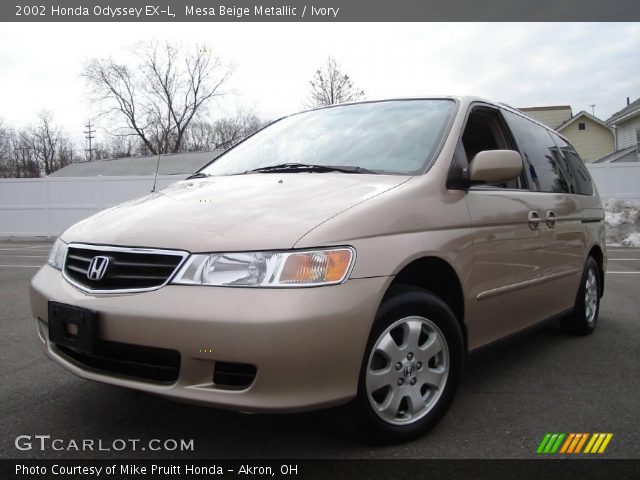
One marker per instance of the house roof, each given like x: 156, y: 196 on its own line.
x: 625, y: 155
x: 632, y: 109
x: 577, y: 116
x: 172, y: 164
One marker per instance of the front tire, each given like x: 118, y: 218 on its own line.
x: 411, y: 368
x: 584, y: 317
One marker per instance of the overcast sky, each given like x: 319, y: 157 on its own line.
x: 525, y: 64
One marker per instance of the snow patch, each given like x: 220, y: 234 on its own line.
x: 622, y: 218
x: 632, y: 240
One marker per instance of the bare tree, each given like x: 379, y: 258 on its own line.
x: 116, y: 146
x: 41, y: 142
x: 330, y: 85
x: 5, y: 143
x: 8, y: 166
x: 120, y: 147
x: 34, y: 150
x: 66, y: 153
x: 223, y: 133
x: 24, y: 161
x: 162, y: 94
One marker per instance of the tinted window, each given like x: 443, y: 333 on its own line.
x: 393, y: 137
x: 541, y: 155
x: 577, y: 173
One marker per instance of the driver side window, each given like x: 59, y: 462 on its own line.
x: 485, y: 130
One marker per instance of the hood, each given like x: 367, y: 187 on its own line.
x: 231, y: 213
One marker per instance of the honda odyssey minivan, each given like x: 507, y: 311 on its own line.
x: 349, y: 254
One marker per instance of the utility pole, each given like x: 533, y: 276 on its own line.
x: 88, y: 135
x: 593, y: 109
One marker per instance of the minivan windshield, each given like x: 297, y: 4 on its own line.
x: 392, y: 137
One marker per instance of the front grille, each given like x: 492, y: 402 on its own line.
x: 136, y: 361
x: 131, y: 269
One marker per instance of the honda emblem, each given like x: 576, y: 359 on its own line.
x: 97, y: 268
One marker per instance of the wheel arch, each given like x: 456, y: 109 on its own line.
x: 437, y: 276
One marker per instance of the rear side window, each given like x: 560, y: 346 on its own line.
x: 578, y: 174
x: 541, y: 155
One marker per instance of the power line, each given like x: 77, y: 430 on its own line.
x: 88, y: 135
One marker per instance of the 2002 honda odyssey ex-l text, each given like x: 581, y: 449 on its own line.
x: 353, y: 253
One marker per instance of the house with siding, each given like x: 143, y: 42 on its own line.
x: 629, y: 154
x: 551, y: 116
x: 626, y: 125
x: 590, y: 136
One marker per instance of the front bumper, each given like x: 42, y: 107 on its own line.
x: 307, y: 343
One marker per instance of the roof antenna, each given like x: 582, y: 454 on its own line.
x: 155, y: 179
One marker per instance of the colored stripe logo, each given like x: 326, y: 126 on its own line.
x: 572, y: 443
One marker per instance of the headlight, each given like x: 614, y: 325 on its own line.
x: 302, y: 268
x: 57, y: 254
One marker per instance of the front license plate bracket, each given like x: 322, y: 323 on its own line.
x: 73, y: 327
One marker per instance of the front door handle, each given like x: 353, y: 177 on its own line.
x: 534, y: 220
x: 551, y: 219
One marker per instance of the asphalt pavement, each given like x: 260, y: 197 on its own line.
x: 512, y: 394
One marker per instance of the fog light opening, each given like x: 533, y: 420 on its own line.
x: 234, y: 375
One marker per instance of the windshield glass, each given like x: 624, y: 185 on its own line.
x: 396, y: 137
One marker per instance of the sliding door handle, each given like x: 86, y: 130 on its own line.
x: 534, y: 220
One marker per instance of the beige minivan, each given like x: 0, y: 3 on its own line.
x: 354, y: 253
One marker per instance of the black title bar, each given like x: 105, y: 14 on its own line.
x: 534, y: 469
x: 319, y: 10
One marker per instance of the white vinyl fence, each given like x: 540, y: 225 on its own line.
x: 617, y: 180
x: 46, y: 206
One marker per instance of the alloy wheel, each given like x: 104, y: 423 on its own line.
x: 591, y: 296
x: 407, y: 370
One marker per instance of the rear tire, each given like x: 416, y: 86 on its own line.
x: 584, y: 317
x: 411, y: 368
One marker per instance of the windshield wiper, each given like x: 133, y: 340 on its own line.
x: 197, y: 175
x: 304, y: 167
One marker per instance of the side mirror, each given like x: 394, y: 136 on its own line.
x: 495, y: 166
